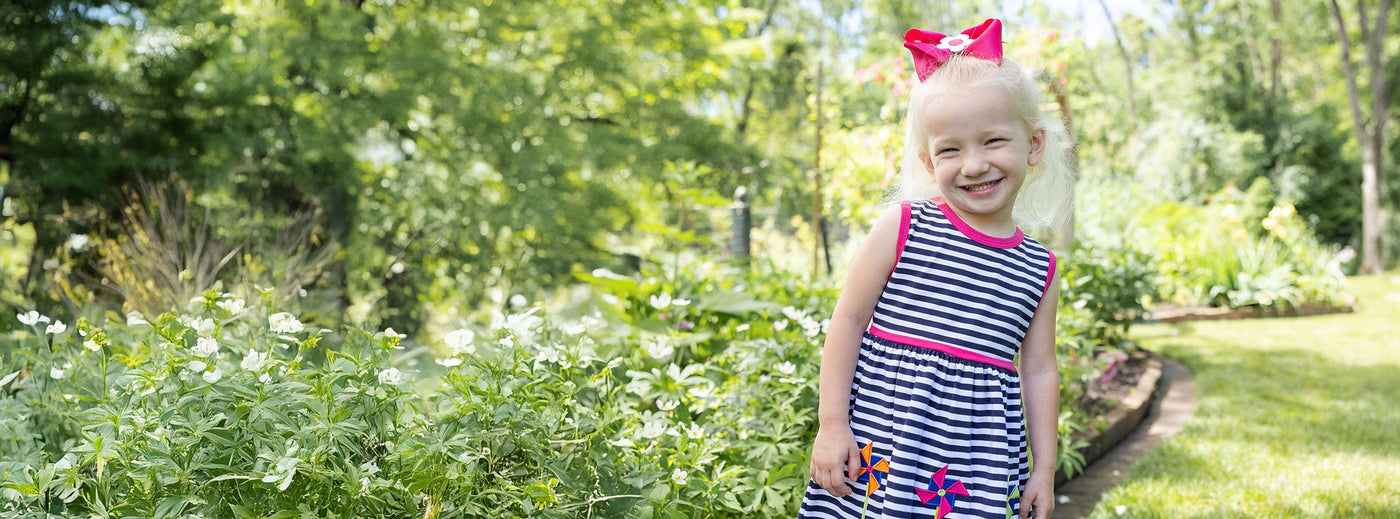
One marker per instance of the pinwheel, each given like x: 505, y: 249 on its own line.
x: 1013, y: 493
x: 942, y: 491
x: 873, y: 470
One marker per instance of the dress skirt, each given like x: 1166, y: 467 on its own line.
x: 927, y: 411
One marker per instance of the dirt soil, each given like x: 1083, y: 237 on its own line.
x: 1114, y: 385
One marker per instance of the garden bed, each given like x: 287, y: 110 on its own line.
x: 1120, y: 399
x: 1167, y: 313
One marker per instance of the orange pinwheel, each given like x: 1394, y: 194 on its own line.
x: 873, y: 469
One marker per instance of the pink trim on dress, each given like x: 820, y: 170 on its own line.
x: 951, y: 350
x: 903, y: 233
x: 978, y: 236
x: 1049, y: 275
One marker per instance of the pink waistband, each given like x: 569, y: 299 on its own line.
x: 951, y: 350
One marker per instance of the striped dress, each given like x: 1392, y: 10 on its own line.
x: 936, y: 390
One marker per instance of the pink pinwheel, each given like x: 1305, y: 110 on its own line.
x: 942, y: 491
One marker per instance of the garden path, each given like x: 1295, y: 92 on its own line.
x: 1166, y: 416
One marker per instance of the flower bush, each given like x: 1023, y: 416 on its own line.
x: 1241, y: 249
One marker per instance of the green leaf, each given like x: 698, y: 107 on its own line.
x: 733, y: 303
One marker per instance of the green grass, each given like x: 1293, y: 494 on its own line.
x: 1294, y: 417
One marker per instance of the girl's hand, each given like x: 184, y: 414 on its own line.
x: 1040, y: 494
x: 835, y: 458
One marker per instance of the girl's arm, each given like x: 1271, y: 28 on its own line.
x: 835, y: 455
x: 1040, y: 392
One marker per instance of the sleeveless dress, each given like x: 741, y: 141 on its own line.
x: 936, y: 393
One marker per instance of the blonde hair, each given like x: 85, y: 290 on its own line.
x: 1046, y: 198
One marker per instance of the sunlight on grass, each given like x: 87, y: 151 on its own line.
x: 1295, y: 417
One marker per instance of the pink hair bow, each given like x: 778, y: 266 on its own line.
x: 931, y: 50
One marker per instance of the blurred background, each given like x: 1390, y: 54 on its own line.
x: 406, y: 163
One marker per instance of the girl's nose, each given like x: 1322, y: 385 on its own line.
x: 975, y: 164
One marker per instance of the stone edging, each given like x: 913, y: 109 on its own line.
x: 1122, y: 419
x: 1210, y: 313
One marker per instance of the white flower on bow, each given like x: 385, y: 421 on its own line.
x: 955, y: 43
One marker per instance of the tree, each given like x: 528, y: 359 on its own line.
x: 1370, y: 134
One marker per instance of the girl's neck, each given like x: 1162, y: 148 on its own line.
x: 996, y: 225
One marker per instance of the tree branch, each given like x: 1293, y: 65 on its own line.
x: 1356, y: 117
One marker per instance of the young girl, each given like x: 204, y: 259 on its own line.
x: 919, y: 380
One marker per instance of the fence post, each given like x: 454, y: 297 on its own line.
x: 739, y: 234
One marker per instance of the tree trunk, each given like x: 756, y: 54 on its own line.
x: 1371, y: 137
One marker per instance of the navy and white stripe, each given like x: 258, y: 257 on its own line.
x: 955, y: 289
x: 957, y: 403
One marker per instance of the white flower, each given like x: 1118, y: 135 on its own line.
x: 57, y: 373
x: 1120, y: 509
x: 135, y: 318
x: 213, y: 376
x: 680, y: 477
x: 77, y: 242
x: 955, y: 43
x: 389, y: 332
x: 285, y: 470
x: 449, y: 362
x: 660, y: 302
x: 31, y: 318
x: 798, y: 380
x: 741, y: 328
x: 460, y: 341
x: 232, y: 306
x: 523, y: 325
x: 519, y: 300
x: 390, y: 376
x: 56, y: 328
x: 657, y: 349
x: 265, y: 378
x: 680, y: 302
x: 254, y: 361
x: 206, y: 346
x: 652, y: 430
x: 810, y: 326
x: 547, y: 354
x: 667, y: 404
x: 197, y: 365
x: 92, y: 345
x: 575, y: 328
x: 786, y: 368
x: 695, y: 431
x: 793, y: 313
x: 283, y: 322
x: 780, y: 325
x: 202, y: 326
x: 506, y: 342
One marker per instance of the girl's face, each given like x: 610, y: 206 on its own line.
x: 978, y: 152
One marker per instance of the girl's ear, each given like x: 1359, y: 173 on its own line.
x: 1037, y: 146
x: 927, y: 160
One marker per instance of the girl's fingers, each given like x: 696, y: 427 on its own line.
x: 853, y: 462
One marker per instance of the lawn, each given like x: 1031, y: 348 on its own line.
x: 1295, y: 417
